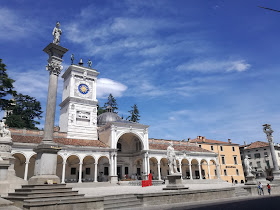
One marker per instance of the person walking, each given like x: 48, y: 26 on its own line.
x: 260, y: 189
x: 268, y: 188
x: 232, y: 180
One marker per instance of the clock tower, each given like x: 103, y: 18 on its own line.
x: 78, y: 112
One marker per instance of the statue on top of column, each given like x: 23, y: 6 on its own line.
x: 3, y: 131
x: 248, y: 168
x: 268, y: 131
x: 56, y: 33
x: 171, y: 157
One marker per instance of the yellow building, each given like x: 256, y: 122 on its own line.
x: 230, y: 164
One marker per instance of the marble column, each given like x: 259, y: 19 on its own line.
x: 209, y: 175
x: 199, y: 169
x: 148, y: 165
x: 180, y: 168
x: 80, y: 172
x: 26, y: 170
x: 46, y: 161
x: 95, y: 172
x: 159, y: 174
x: 116, y: 165
x: 63, y: 172
x: 190, y: 169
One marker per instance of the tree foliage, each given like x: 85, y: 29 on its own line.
x: 6, y: 87
x: 112, y: 102
x: 100, y: 110
x: 24, y: 112
x: 134, y: 114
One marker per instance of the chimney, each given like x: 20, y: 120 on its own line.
x: 245, y: 143
x: 189, y: 139
x: 198, y: 137
x: 229, y: 141
x: 203, y: 138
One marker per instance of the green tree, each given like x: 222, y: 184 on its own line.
x: 134, y: 114
x: 24, y: 112
x: 6, y: 87
x: 100, y: 110
x: 112, y: 102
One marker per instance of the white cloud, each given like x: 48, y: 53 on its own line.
x: 210, y: 66
x: 106, y: 86
x: 13, y: 26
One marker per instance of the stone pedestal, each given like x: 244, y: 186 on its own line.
x: 45, y: 164
x: 276, y: 177
x: 251, y: 180
x: 175, y: 182
x: 114, y: 179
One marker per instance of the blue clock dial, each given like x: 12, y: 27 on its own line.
x: 83, y: 89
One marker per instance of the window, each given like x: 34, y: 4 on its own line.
x: 73, y: 171
x: 235, y: 160
x: 225, y: 172
x: 221, y: 147
x: 139, y: 171
x: 257, y: 155
x: 237, y: 172
x: 126, y: 170
x: 241, y: 157
x: 233, y: 149
x: 215, y: 172
x: 223, y: 160
x: 119, y: 147
x: 88, y: 171
x: 212, y: 148
x: 106, y: 171
x: 265, y: 154
x: 267, y: 164
x: 199, y: 146
x: 258, y: 164
x: 249, y: 155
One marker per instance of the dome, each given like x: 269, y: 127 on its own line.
x: 108, y: 116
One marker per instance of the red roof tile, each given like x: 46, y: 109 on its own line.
x: 210, y: 141
x: 256, y: 144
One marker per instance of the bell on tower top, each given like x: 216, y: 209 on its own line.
x: 81, y: 62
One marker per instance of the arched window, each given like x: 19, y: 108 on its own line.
x: 119, y: 147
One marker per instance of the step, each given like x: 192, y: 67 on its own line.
x: 44, y: 191
x: 108, y: 202
x: 120, y: 196
x: 122, y: 205
x: 61, y: 200
x: 42, y: 196
x: 43, y: 186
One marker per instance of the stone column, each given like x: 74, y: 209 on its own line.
x: 209, y: 171
x: 190, y: 169
x: 116, y: 165
x: 95, y: 172
x: 63, y: 172
x: 148, y: 164
x: 113, y: 176
x: 276, y: 172
x: 218, y: 171
x: 199, y: 169
x: 46, y: 161
x: 159, y: 174
x: 26, y: 170
x: 80, y: 172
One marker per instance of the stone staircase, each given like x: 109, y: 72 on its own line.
x: 56, y: 196
x: 128, y: 201
x: 241, y: 192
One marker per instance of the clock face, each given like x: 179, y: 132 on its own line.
x: 83, y: 89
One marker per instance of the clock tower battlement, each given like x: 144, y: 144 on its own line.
x: 78, y: 112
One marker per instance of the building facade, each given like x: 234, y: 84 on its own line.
x: 105, y: 147
x: 228, y: 156
x: 260, y: 157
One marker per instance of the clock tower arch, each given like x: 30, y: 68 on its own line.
x: 78, y: 109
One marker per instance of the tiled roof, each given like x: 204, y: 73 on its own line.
x: 159, y: 144
x: 210, y: 141
x: 65, y: 141
x: 256, y: 144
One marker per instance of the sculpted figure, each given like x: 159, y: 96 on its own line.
x: 171, y: 156
x: 56, y: 33
x: 268, y: 131
x: 89, y: 63
x: 72, y: 58
x: 3, y: 131
x: 248, y: 168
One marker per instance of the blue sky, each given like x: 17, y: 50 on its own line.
x: 196, y: 67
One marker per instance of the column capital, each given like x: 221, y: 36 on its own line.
x: 27, y: 162
x: 54, y: 68
x: 95, y: 163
